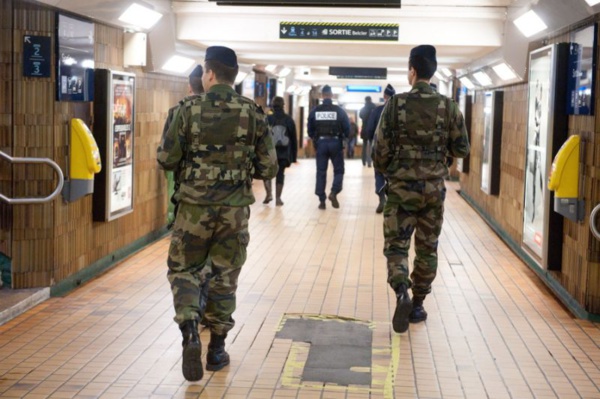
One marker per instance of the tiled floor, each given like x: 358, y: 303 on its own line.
x: 494, y: 330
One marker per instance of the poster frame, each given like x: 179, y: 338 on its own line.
x: 114, y: 128
x: 546, y: 228
x: 465, y: 104
x: 492, y: 136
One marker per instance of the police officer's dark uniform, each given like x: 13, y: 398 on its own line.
x: 328, y: 126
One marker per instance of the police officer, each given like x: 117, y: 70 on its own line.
x: 328, y: 126
x: 370, y: 134
x: 416, y: 132
x: 221, y: 139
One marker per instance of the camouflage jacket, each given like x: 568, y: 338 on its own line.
x: 216, y: 143
x: 416, y: 132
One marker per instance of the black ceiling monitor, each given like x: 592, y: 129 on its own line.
x: 312, y: 3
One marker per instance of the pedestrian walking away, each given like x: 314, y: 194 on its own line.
x: 218, y: 142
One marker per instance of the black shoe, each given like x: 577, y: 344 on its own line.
x: 418, y: 313
x: 381, y: 203
x: 333, y: 198
x: 322, y: 205
x: 191, y: 364
x: 217, y: 357
x: 403, y: 309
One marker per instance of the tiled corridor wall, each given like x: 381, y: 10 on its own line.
x: 50, y: 242
x: 580, y: 271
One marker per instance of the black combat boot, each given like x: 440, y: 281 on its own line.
x: 418, y: 312
x: 191, y: 364
x: 322, y: 205
x: 269, y: 191
x: 216, y: 358
x: 403, y: 309
x: 381, y: 203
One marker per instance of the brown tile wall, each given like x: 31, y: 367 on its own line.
x: 580, y: 273
x: 51, y: 242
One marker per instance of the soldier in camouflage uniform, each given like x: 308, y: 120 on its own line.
x: 221, y: 139
x: 416, y: 132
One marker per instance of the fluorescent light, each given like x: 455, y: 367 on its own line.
x: 354, y: 106
x: 87, y: 63
x: 504, y: 71
x: 467, y: 83
x: 592, y: 2
x: 140, y: 16
x: 240, y: 77
x: 439, y: 76
x: 530, y: 23
x: 337, y: 90
x: 447, y: 72
x: 284, y: 72
x: 482, y: 78
x: 271, y: 68
x: 178, y: 64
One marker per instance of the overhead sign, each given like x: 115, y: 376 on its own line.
x: 338, y: 31
x: 358, y: 73
x: 36, y: 56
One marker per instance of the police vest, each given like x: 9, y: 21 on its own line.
x: 326, y: 121
x: 415, y: 140
x: 228, y: 157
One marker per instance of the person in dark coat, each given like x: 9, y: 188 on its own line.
x: 286, y: 153
x: 364, y: 114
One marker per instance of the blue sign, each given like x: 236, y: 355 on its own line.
x: 36, y: 56
x: 363, y: 89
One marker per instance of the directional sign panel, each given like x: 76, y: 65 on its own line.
x: 36, y: 56
x: 338, y: 31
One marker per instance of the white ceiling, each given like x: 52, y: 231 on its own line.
x: 463, y: 32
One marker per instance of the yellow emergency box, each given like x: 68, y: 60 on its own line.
x: 84, y: 161
x: 85, y: 155
x: 564, y: 180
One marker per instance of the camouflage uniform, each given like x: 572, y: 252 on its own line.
x: 416, y: 132
x: 217, y: 142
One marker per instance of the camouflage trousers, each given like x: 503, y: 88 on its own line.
x: 208, y: 242
x: 413, y: 207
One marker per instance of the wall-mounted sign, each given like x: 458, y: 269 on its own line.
x: 36, y: 56
x: 338, y: 31
x: 582, y: 66
x: 75, y: 58
x: 113, y: 128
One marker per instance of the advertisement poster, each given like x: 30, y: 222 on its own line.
x: 538, y: 129
x: 75, y: 58
x: 486, y: 153
x: 121, y: 177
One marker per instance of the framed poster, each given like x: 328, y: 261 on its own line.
x: 114, y: 111
x: 582, y: 67
x: 492, y: 141
x: 465, y: 104
x: 75, y: 58
x: 546, y: 131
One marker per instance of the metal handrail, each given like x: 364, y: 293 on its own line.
x: 593, y: 227
x: 34, y: 200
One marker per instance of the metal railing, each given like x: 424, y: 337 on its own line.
x: 34, y: 200
x: 593, y: 227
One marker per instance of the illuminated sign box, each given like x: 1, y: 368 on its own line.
x: 338, y: 31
